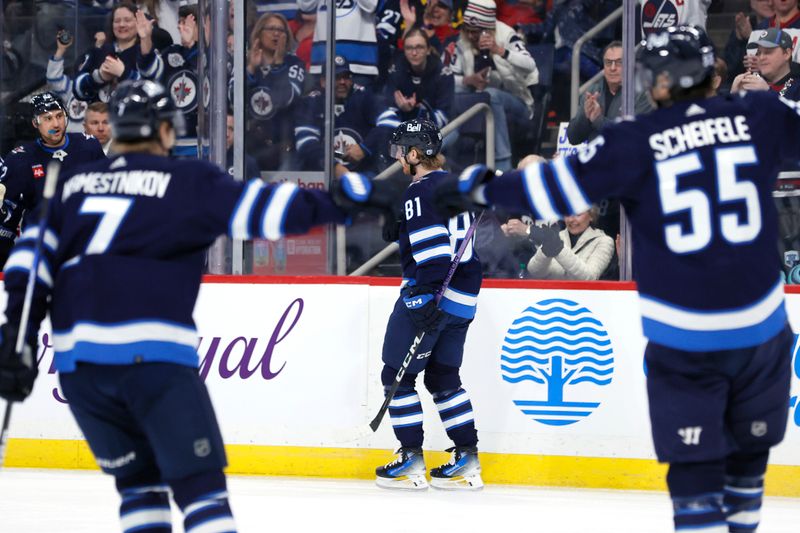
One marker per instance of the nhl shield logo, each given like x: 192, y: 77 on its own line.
x: 202, y: 447
x: 758, y: 428
x: 175, y: 60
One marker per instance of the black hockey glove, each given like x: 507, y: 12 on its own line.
x: 17, y: 374
x: 355, y: 193
x: 421, y: 304
x: 454, y: 196
x: 551, y: 240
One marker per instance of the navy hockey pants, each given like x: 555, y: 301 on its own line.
x: 706, y: 405
x: 146, y: 418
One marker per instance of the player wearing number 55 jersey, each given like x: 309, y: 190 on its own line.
x: 696, y: 178
x: 122, y: 261
x: 428, y: 240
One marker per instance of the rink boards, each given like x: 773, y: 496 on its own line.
x: 554, y: 370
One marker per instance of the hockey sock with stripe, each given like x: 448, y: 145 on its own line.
x: 145, y: 510
x: 455, y: 410
x: 744, y: 490
x: 405, y: 412
x: 697, y: 496
x: 203, y: 498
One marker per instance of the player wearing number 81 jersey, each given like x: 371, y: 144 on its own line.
x: 695, y: 178
x: 428, y: 240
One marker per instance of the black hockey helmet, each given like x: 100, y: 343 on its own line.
x: 416, y: 133
x: 46, y: 102
x: 684, y: 53
x: 138, y: 107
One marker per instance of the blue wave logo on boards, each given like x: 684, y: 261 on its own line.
x: 559, y: 351
x: 794, y: 401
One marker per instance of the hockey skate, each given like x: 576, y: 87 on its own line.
x: 406, y: 472
x: 463, y: 472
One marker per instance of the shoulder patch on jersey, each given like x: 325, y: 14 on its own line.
x: 175, y: 60
x: 87, y: 136
x: 119, y: 162
x: 18, y: 150
x: 694, y: 109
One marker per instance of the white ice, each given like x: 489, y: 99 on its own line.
x: 52, y: 501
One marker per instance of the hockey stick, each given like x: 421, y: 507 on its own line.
x: 53, y: 170
x: 412, y: 350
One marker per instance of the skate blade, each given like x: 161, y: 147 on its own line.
x: 473, y: 482
x: 402, y: 483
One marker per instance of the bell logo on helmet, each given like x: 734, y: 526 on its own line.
x: 413, y: 127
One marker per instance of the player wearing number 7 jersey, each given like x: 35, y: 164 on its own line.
x: 695, y: 178
x: 122, y: 260
x: 428, y: 240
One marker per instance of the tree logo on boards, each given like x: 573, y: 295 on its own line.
x: 794, y: 401
x: 556, y: 355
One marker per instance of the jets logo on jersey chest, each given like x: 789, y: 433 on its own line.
x: 76, y: 109
x: 183, y: 89
x: 261, y: 103
x: 38, y: 171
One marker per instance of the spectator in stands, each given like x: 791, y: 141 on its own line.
x: 362, y: 130
x: 274, y: 85
x: 250, y: 165
x: 786, y: 17
x: 61, y: 84
x: 602, y: 103
x: 96, y: 123
x: 774, y: 58
x: 129, y: 37
x: 180, y: 77
x: 489, y: 56
x: 437, y: 21
x: 736, y: 47
x: 418, y: 84
x: 355, y: 26
x: 578, y: 252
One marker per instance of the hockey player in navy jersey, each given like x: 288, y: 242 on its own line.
x: 428, y: 240
x: 22, y: 176
x: 122, y: 261
x: 695, y: 177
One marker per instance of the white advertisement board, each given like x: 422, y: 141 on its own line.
x: 549, y: 371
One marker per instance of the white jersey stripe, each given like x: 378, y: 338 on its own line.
x: 223, y: 524
x: 276, y: 209
x: 538, y: 196
x: 145, y: 517
x: 429, y: 253
x: 573, y: 194
x: 241, y: 215
x: 427, y: 233
x: 143, y: 331
x: 713, y: 321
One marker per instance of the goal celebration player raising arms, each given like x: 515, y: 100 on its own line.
x: 122, y: 261
x: 696, y: 179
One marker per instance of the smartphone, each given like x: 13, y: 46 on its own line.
x: 64, y: 37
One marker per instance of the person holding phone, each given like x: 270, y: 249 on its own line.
x: 490, y: 57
